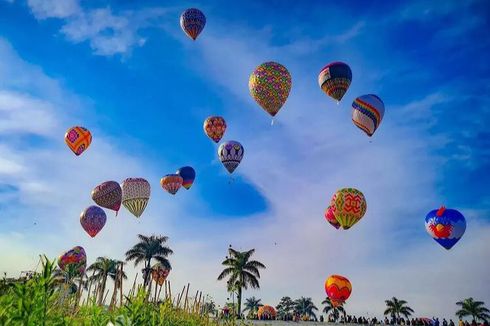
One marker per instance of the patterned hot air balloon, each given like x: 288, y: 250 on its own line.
x: 266, y: 312
x: 192, y: 22
x: 171, y: 183
x: 159, y: 273
x: 330, y: 217
x: 334, y: 79
x: 135, y: 195
x: 269, y: 85
x: 230, y: 154
x: 215, y: 128
x: 78, y: 139
x: 188, y: 175
x: 93, y: 220
x: 367, y: 113
x: 348, y: 206
x: 338, y: 289
x: 73, y: 259
x: 108, y: 195
x: 446, y: 226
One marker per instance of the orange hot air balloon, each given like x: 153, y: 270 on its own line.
x: 338, y: 289
x: 215, y: 128
x: 171, y: 183
x: 266, y: 312
x: 159, y: 273
x: 78, y: 139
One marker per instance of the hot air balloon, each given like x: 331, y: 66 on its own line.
x: 93, y: 220
x: 215, y: 128
x: 78, y: 139
x: 348, y: 205
x: 171, y: 183
x: 367, y: 113
x: 230, y: 153
x: 159, y: 273
x: 108, y: 195
x: 446, y: 226
x: 135, y: 195
x: 334, y: 79
x: 338, y: 289
x: 74, y: 259
x: 266, y: 312
x: 188, y: 175
x: 192, y: 22
x: 269, y: 85
x: 331, y: 218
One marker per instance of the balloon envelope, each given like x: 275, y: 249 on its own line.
x: 215, y: 128
x: 135, y: 195
x: 192, y: 22
x: 348, y: 206
x: 108, y: 195
x: 338, y: 289
x: 93, y: 219
x: 171, y: 183
x: 159, y: 273
x: 73, y: 259
x: 330, y: 217
x: 188, y: 175
x: 266, y: 311
x: 367, y: 113
x: 230, y: 154
x: 270, y: 84
x: 334, y: 79
x: 446, y: 226
x: 78, y: 139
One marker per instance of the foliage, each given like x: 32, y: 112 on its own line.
x: 304, y: 307
x: 475, y: 309
x: 252, y: 305
x: 334, y: 310
x: 395, y: 308
x: 285, y: 308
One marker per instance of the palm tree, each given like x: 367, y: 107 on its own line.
x: 304, y: 307
x: 285, y: 308
x: 252, y: 305
x: 103, y: 268
x: 335, y: 310
x: 149, y: 248
x: 208, y: 308
x: 395, y: 308
x: 241, y: 271
x: 117, y: 277
x: 475, y: 309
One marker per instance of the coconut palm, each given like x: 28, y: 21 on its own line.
x: 335, y: 310
x: 395, y: 308
x: 252, y: 305
x: 475, y: 309
x: 148, y: 248
x: 103, y: 268
x: 241, y: 271
x: 285, y: 308
x: 304, y: 307
x: 117, y: 277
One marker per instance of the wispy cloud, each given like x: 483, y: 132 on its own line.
x: 44, y: 9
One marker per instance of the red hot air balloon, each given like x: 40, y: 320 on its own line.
x: 108, y: 195
x: 338, y: 289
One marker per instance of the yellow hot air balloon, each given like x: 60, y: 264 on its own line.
x: 135, y: 195
x: 348, y: 205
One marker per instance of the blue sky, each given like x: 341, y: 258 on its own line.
x: 128, y: 73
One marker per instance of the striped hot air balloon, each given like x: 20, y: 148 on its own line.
x: 135, y: 195
x: 188, y: 174
x: 367, y: 113
x: 334, y: 79
x: 171, y: 183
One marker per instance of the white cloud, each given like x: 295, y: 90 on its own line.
x: 44, y: 9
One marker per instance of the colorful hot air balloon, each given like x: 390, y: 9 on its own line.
x: 78, y: 139
x: 266, y: 312
x: 171, y: 183
x: 192, y: 22
x: 338, y: 289
x: 188, y: 175
x: 348, y: 206
x: 367, y: 113
x: 334, y: 79
x: 135, y: 195
x: 446, y: 226
x: 108, y: 195
x: 159, y: 273
x: 330, y: 217
x: 93, y: 220
x: 215, y: 128
x: 74, y: 259
x: 230, y: 154
x: 269, y: 85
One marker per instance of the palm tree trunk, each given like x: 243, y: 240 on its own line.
x: 239, y: 299
x: 114, y: 293
x: 102, y: 289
